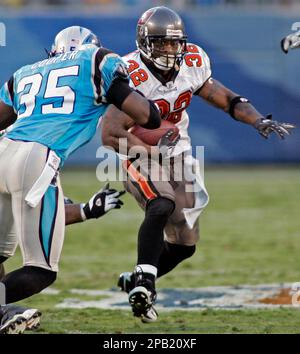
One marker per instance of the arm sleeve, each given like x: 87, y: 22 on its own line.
x: 118, y: 91
x: 112, y: 69
x: 111, y: 77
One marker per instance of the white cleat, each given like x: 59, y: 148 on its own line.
x: 14, y: 325
x: 17, y: 319
x: 150, y: 316
x: 33, y: 319
x: 141, y: 301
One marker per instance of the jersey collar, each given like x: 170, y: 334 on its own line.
x: 156, y: 73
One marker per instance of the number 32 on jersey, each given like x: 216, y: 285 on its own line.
x: 172, y: 114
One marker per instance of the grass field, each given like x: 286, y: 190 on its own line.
x: 250, y: 234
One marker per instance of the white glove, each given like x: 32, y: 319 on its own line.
x: 167, y: 145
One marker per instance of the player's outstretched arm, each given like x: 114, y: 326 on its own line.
x: 101, y: 203
x: 7, y: 116
x: 241, y: 109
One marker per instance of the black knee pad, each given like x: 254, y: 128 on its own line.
x: 160, y: 207
x: 43, y: 277
x: 26, y: 281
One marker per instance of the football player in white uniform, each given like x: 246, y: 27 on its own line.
x: 170, y: 71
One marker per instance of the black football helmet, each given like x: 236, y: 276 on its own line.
x: 161, y: 37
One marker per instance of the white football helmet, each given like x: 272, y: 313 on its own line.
x: 73, y: 38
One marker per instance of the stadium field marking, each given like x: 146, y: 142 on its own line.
x: 218, y: 297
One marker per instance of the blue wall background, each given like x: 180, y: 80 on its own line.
x: 245, y: 54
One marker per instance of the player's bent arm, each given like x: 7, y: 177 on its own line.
x: 73, y: 214
x: 144, y: 112
x: 114, y: 128
x: 221, y: 97
x: 7, y: 116
x: 115, y: 125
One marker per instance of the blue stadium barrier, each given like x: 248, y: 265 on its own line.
x: 245, y: 56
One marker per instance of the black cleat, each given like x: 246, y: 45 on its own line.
x: 126, y: 281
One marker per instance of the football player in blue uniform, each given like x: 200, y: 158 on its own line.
x: 54, y: 106
x: 99, y: 204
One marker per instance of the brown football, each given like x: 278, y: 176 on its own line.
x: 152, y: 136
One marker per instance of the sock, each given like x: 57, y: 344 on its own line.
x: 148, y: 271
x: 171, y: 256
x: 151, y: 233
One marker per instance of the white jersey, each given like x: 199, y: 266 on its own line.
x: 172, y: 97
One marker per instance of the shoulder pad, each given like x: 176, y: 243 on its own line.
x: 122, y: 72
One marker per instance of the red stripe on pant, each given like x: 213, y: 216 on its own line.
x: 140, y: 179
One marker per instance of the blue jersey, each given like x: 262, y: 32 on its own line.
x: 58, y: 101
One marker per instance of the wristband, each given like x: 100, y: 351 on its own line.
x: 82, y: 213
x: 234, y: 102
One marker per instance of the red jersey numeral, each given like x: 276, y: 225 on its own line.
x: 192, y: 48
x: 133, y: 65
x: 138, y: 77
x: 164, y: 108
x: 194, y: 58
x: 180, y: 105
x: 191, y: 59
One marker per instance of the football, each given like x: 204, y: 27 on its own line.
x: 152, y: 136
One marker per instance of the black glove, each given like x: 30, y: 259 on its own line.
x: 166, y: 145
x: 266, y: 126
x: 103, y: 201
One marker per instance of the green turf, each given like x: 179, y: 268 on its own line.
x: 249, y: 235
